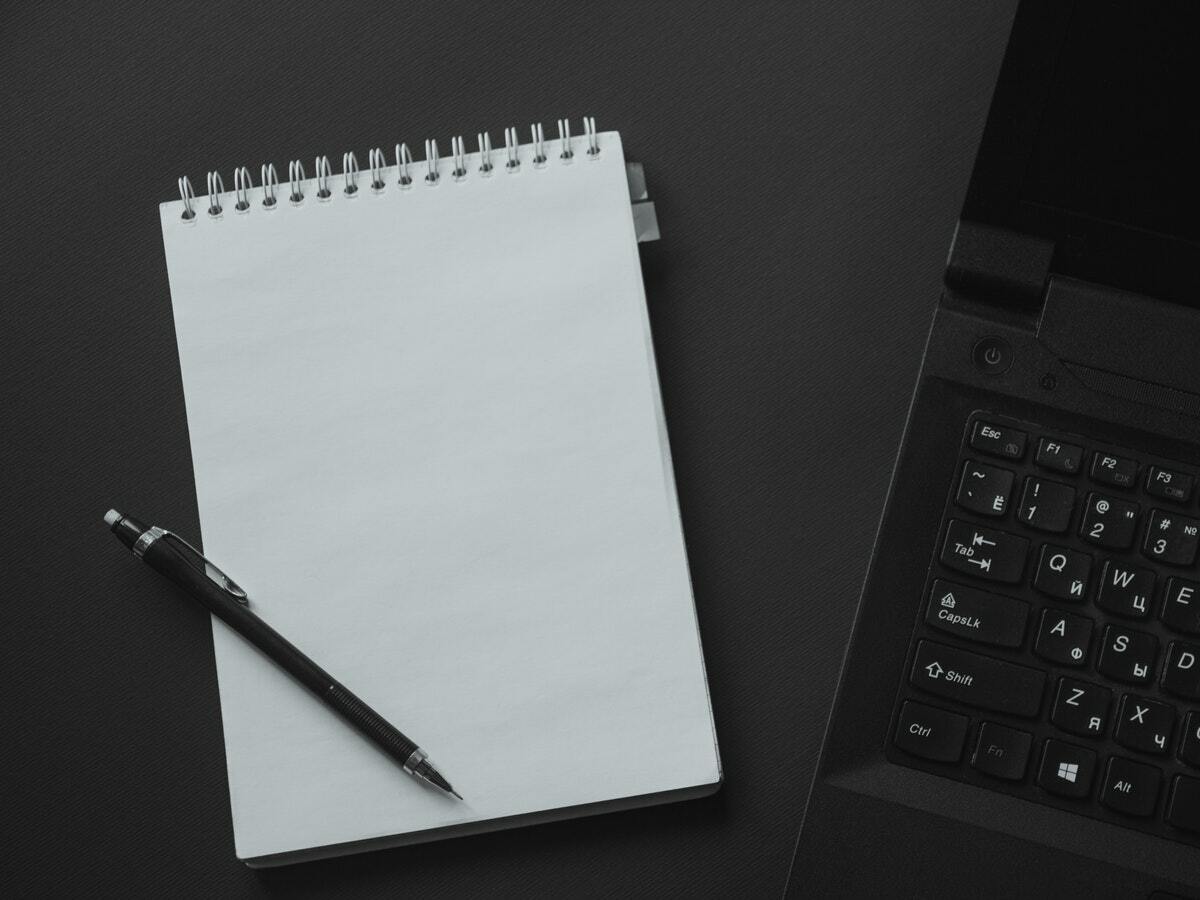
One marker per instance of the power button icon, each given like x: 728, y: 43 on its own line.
x: 992, y: 355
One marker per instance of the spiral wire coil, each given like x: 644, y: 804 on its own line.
x: 243, y: 183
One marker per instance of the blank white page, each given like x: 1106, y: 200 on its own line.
x: 428, y: 440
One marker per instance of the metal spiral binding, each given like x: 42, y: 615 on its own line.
x: 459, y: 152
x: 378, y: 163
x: 512, y: 150
x: 187, y: 195
x: 270, y: 182
x: 485, y: 153
x: 322, y: 175
x: 539, y: 150
x: 564, y: 140
x: 432, y: 175
x: 593, y: 139
x: 296, y: 178
x: 350, y: 174
x: 403, y: 161
x: 216, y: 187
x: 243, y: 183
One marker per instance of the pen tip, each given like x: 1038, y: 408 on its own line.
x: 456, y: 793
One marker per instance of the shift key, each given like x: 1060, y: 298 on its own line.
x: 978, y: 680
x: 984, y: 552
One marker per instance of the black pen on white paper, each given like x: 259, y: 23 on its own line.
x: 180, y: 562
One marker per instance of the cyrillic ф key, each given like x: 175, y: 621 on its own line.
x: 978, y: 680
x: 984, y: 552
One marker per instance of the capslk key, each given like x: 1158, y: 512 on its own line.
x: 977, y: 615
x: 978, y: 680
x: 984, y: 552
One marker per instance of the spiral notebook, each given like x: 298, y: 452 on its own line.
x: 427, y: 438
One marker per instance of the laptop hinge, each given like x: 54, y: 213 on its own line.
x: 995, y: 265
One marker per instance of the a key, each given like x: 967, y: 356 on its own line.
x: 1081, y: 707
x: 1109, y: 522
x: 998, y: 440
x: 1002, y: 752
x: 984, y: 489
x: 931, y: 733
x: 1189, y: 744
x: 1046, y: 505
x: 978, y: 680
x: 1128, y: 655
x: 1183, y: 805
x: 1171, y: 538
x: 1125, y: 590
x: 1130, y: 788
x: 984, y: 552
x: 1169, y: 485
x: 1063, y: 573
x: 977, y: 615
x: 1063, y: 638
x: 1143, y: 724
x: 1181, y: 672
x: 1181, y: 605
x: 1118, y: 471
x: 1067, y: 770
x: 1060, y: 457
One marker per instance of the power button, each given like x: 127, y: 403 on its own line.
x: 992, y: 355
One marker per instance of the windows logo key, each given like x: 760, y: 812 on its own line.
x: 1068, y: 771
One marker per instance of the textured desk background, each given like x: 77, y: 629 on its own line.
x: 808, y: 161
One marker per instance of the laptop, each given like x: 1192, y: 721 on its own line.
x: 1019, y: 709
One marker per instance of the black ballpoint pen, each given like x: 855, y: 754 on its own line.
x: 177, y: 560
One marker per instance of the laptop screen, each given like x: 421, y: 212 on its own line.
x: 1119, y: 136
x: 1093, y: 141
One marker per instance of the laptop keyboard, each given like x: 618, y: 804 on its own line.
x: 1057, y: 652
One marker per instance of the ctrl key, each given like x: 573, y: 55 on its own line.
x: 931, y: 733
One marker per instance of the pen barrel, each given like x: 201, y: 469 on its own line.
x: 177, y: 564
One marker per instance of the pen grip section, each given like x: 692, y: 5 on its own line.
x: 386, y: 736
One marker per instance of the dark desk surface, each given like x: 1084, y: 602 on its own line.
x: 808, y: 162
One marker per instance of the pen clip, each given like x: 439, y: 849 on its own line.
x: 214, y: 574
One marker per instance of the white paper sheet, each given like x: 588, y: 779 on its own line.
x: 428, y: 440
